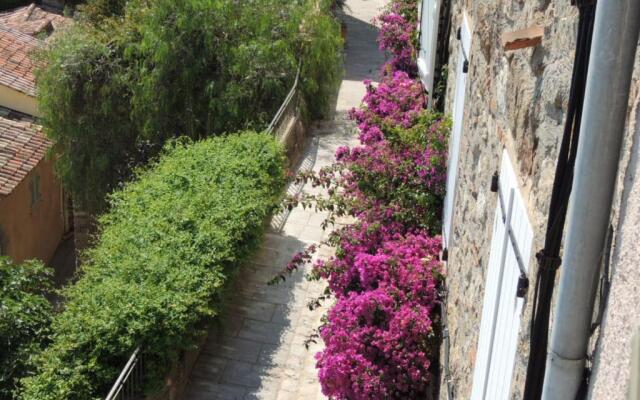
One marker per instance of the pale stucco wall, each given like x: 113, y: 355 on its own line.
x: 33, y: 231
x: 18, y: 101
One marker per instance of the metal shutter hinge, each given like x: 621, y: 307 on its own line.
x: 523, y: 286
x: 494, y: 182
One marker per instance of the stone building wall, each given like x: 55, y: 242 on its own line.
x: 621, y: 318
x: 515, y: 100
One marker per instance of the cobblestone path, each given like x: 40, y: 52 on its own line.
x: 258, y: 351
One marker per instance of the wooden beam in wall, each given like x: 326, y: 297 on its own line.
x: 529, y: 37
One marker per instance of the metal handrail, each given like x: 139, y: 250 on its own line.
x: 287, y: 101
x: 126, y: 388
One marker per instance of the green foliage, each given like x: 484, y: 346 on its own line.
x: 166, y: 249
x: 96, y: 10
x: 214, y: 66
x: 429, y: 133
x: 131, y: 75
x: 322, y: 60
x: 25, y: 315
x: 429, y: 129
x: 84, y: 97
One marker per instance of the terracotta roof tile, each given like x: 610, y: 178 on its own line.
x: 17, y: 64
x: 33, y: 20
x: 22, y: 146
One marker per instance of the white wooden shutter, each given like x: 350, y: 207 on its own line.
x: 510, y: 251
x: 456, y: 132
x: 429, y: 19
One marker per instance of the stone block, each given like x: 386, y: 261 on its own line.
x: 262, y: 332
x: 523, y: 38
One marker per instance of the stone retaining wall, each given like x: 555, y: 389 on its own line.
x: 176, y: 383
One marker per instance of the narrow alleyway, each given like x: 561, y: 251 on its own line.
x: 258, y: 351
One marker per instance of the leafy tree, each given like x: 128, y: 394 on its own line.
x: 214, y: 66
x: 84, y: 97
x: 127, y: 77
x: 96, y: 10
x: 321, y: 59
x: 25, y: 315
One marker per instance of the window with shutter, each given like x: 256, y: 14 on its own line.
x: 34, y: 189
x: 429, y: 19
x: 509, y: 257
x: 456, y: 132
x: 3, y: 242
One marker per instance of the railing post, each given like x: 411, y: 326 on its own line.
x: 124, y: 385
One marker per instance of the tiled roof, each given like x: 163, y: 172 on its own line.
x: 17, y: 64
x: 33, y: 20
x: 22, y: 146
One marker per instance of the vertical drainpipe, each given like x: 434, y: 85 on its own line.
x: 615, y: 39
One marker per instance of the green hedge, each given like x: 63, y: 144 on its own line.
x: 166, y: 249
x: 25, y: 315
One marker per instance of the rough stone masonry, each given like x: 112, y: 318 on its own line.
x: 517, y: 99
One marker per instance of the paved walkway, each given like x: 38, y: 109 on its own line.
x: 258, y: 351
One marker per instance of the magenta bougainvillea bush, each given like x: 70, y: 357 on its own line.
x: 398, y: 35
x: 381, y: 333
x: 397, y: 100
x: 379, y: 336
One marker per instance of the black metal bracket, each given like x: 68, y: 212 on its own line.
x: 523, y: 286
x: 495, y: 179
x: 445, y: 254
x: 583, y: 3
x: 548, y: 262
x: 465, y: 65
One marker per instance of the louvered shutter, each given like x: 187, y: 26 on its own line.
x: 429, y: 19
x: 454, y: 142
x: 510, y: 250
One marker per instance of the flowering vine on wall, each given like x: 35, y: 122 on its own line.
x: 381, y: 333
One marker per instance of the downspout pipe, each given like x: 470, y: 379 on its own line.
x: 613, y: 50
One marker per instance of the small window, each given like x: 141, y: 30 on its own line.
x: 3, y: 243
x: 34, y: 190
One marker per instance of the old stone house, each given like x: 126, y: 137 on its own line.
x: 33, y: 206
x: 508, y: 88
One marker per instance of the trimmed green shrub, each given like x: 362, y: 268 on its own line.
x: 130, y: 75
x: 25, y: 315
x: 166, y: 249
